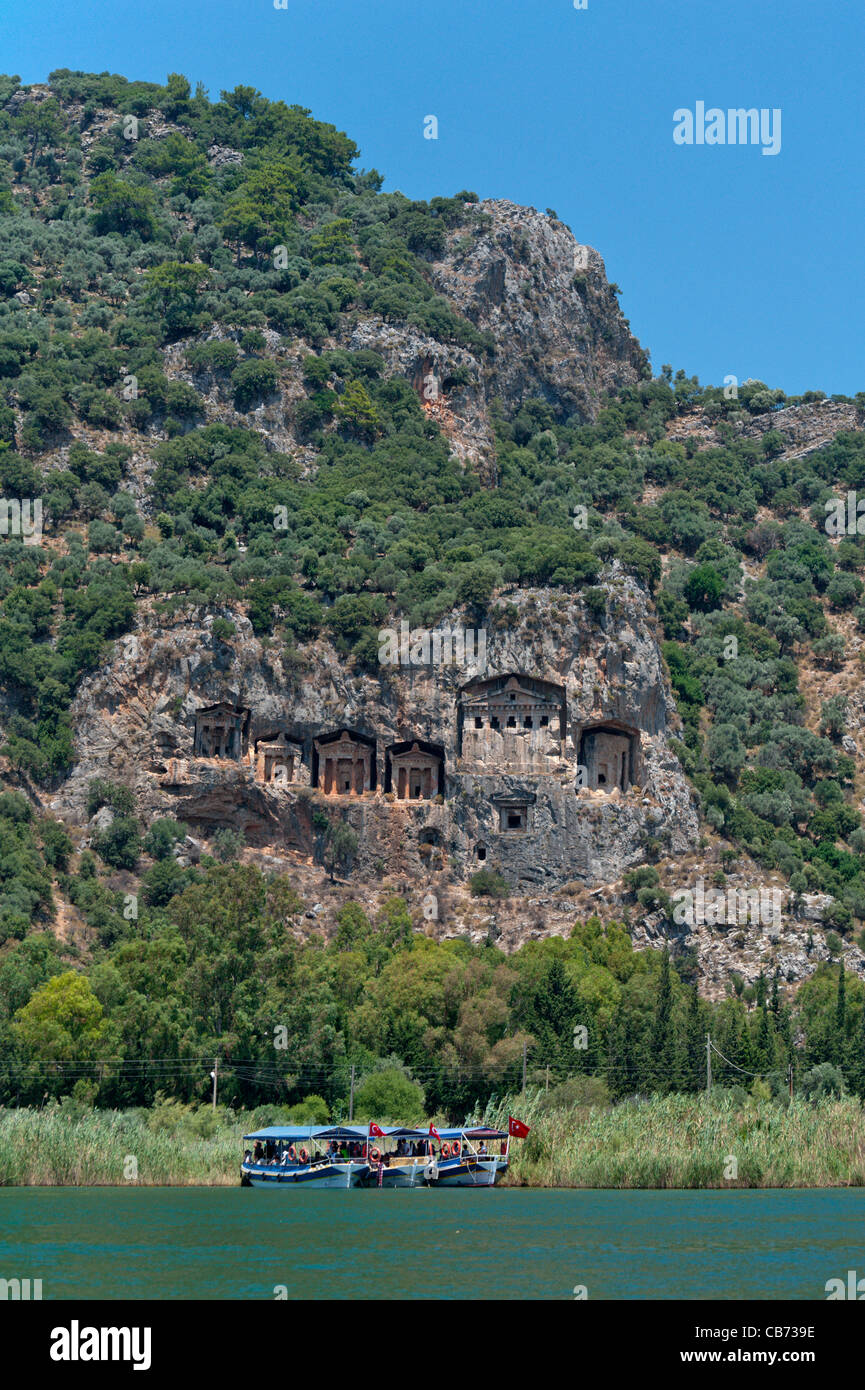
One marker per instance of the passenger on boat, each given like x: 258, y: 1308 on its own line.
x: 482, y: 1148
x: 258, y: 1152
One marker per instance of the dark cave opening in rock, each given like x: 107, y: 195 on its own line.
x: 610, y: 753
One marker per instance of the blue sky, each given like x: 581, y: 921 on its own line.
x: 729, y: 261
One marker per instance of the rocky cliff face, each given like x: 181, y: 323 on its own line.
x: 136, y: 722
x: 546, y: 299
x: 803, y: 428
x: 521, y: 276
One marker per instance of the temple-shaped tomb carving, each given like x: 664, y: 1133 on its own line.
x: 343, y: 764
x: 415, y: 771
x: 514, y: 810
x: 278, y: 759
x: 513, y: 721
x: 221, y: 731
x: 610, y: 753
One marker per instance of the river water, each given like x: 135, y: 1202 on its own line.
x: 246, y: 1243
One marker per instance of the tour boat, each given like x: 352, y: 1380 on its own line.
x: 305, y: 1156
x: 395, y: 1156
x: 466, y: 1158
x: 402, y: 1157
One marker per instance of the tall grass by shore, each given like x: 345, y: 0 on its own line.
x: 114, y: 1148
x: 689, y: 1141
x: 670, y: 1141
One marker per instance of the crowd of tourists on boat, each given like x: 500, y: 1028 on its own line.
x: 277, y: 1153
x: 376, y: 1156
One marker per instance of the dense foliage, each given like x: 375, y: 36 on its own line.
x: 162, y: 252
x: 217, y: 970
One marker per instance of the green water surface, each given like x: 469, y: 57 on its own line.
x: 238, y: 1243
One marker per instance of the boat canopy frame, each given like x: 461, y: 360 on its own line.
x: 295, y: 1134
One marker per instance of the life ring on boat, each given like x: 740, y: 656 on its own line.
x: 304, y: 1156
x: 375, y: 1155
x: 446, y: 1150
x: 292, y: 1152
x: 457, y: 1148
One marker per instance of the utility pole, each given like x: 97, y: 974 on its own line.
x: 790, y: 1075
x: 351, y: 1097
x: 215, y: 1075
x: 547, y: 1087
x: 708, y: 1064
x: 524, y: 1069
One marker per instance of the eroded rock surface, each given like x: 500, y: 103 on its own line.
x: 136, y: 722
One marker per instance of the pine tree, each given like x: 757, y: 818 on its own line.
x: 663, y: 1035
x: 765, y: 1042
x: 839, y: 1041
x: 856, y: 1068
x: 775, y: 1005
x: 696, y: 1043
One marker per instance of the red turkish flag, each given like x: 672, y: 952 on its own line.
x: 516, y: 1128
x: 433, y: 1130
x: 375, y: 1131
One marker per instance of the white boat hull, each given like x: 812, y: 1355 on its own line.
x: 324, y: 1175
x: 469, y: 1172
x: 404, y: 1175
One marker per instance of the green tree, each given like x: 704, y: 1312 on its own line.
x: 389, y: 1095
x: 122, y: 207
x: 62, y: 1019
x: 704, y: 588
x: 173, y: 290
x: 663, y: 1030
x: 356, y: 413
x: 260, y: 214
x: 340, y: 849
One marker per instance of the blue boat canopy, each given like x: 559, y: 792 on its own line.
x: 474, y: 1132
x: 298, y: 1134
x: 295, y: 1134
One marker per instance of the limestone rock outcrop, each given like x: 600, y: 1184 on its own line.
x: 422, y: 797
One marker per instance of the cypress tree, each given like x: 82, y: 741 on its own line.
x: 765, y: 1049
x: 857, y: 1058
x: 663, y: 1038
x: 839, y: 1042
x: 696, y: 1044
x: 775, y: 1005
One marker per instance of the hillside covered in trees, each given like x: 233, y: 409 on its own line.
x: 188, y: 291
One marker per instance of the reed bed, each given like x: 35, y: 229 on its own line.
x: 99, y: 1148
x: 688, y: 1142
x: 666, y: 1142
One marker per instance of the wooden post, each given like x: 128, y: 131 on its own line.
x: 708, y: 1064
x: 524, y: 1068
x: 215, y: 1075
